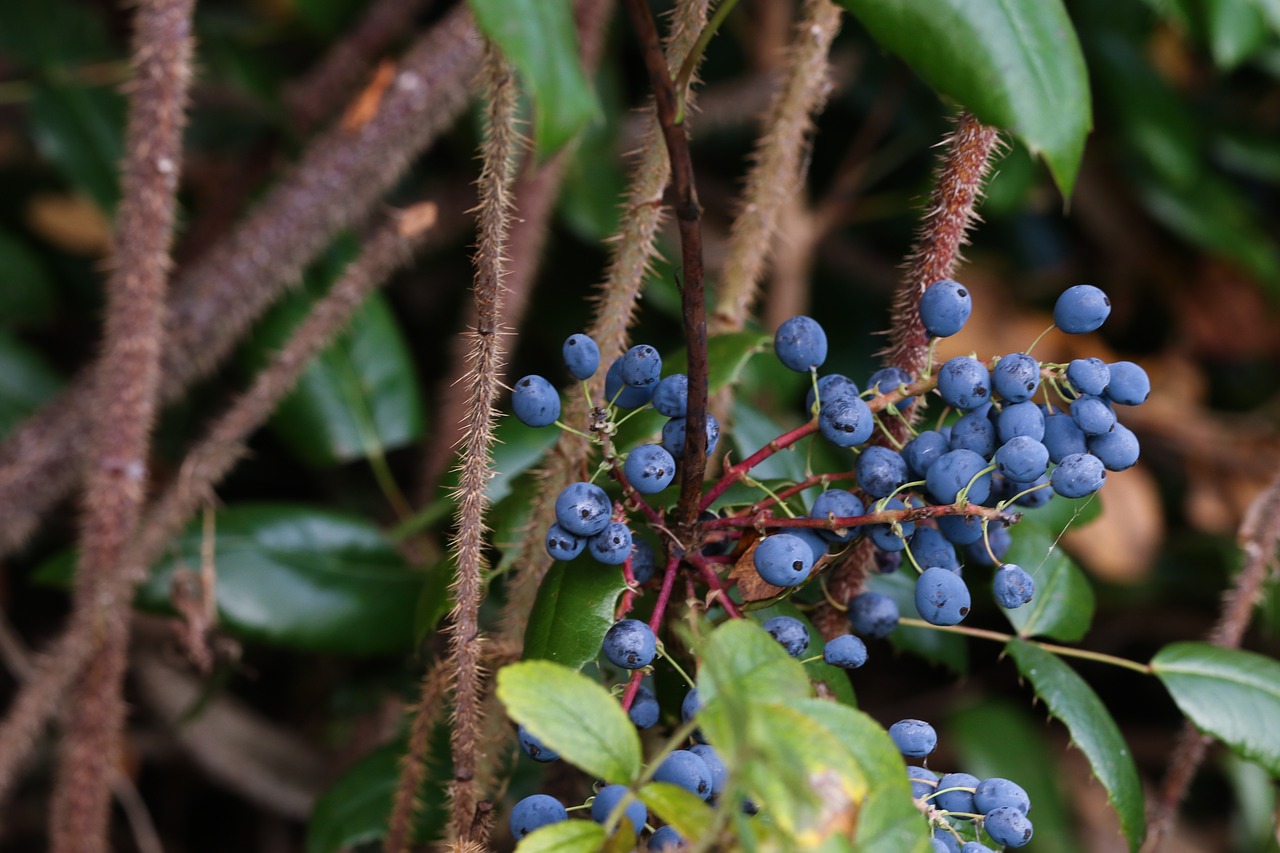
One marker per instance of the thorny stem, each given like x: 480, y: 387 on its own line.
x: 1064, y: 651
x: 703, y: 565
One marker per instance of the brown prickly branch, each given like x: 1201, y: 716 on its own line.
x: 475, y: 467
x: 335, y: 184
x: 204, y: 466
x: 1259, y: 538
x: 126, y: 381
x: 777, y: 174
x: 413, y: 768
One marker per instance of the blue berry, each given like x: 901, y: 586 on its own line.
x: 959, y: 800
x: 563, y: 545
x: 975, y: 432
x: 837, y: 503
x: 944, y: 842
x: 1081, y: 309
x: 995, y: 793
x: 964, y: 383
x: 673, y: 432
x: 888, y: 379
x: 581, y: 356
x: 641, y: 366
x: 783, y: 559
x: 1012, y: 586
x: 643, y: 561
x: 1129, y: 385
x: 801, y: 344
x: 535, y: 402
x: 1022, y: 459
x: 719, y: 773
x: 845, y: 651
x: 607, y: 800
x: 619, y: 393
x: 913, y: 738
x: 612, y: 545
x: 650, y: 468
x: 873, y: 614
x: 644, y: 711
x: 583, y: 509
x: 671, y: 396
x: 941, y: 597
x: 686, y: 770
x: 1008, y: 826
x: 790, y: 633
x: 817, y: 545
x: 536, y: 812
x: 944, y: 307
x: 931, y: 548
x: 535, y: 748
x: 953, y: 472
x: 887, y: 562
x: 923, y: 450
x: 664, y: 840
x: 1035, y: 494
x: 690, y: 705
x: 830, y: 387
x: 846, y: 421
x: 886, y: 536
x: 1078, y: 475
x: 975, y: 847
x: 1020, y: 419
x: 1118, y: 449
x: 1089, y: 375
x: 1016, y: 377
x: 1093, y: 415
x: 923, y: 781
x: 997, y: 542
x: 960, y: 529
x: 1062, y: 437
x: 630, y: 644
x: 880, y: 471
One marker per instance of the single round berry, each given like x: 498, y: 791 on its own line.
x: 887, y: 562
x: 944, y: 842
x: 689, y: 705
x: 873, y: 614
x: 991, y: 549
x: 960, y: 798
x: 941, y: 597
x: 671, y: 396
x: 1008, y: 826
x: 1081, y: 309
x: 563, y: 545
x: 1020, y: 419
x: 846, y: 421
x: 1012, y: 586
x: 673, y: 435
x: 686, y: 770
x: 817, y: 545
x: 975, y: 432
x: 535, y: 402
x: 1062, y: 437
x: 650, y: 468
x: 837, y: 503
x: 1129, y: 385
x: 630, y: 644
x: 931, y: 548
x: 944, y: 307
x: 607, y: 800
x: 924, y: 782
x: 665, y: 839
x: 1022, y: 459
x: 960, y: 529
x: 641, y: 366
x: 581, y: 356
x: 975, y: 847
x: 536, y: 812
x: 830, y: 387
x: 783, y: 559
x: 996, y: 793
x: 583, y: 509
x: 1078, y: 475
x: 1117, y: 450
x: 923, y: 450
x: 800, y: 343
x: 889, y: 379
x: 955, y: 471
x: 1089, y: 375
x: 644, y: 711
x: 1016, y: 377
x: 964, y: 383
x: 535, y: 748
x: 845, y: 651
x: 719, y: 773
x: 620, y: 393
x: 913, y: 738
x: 790, y: 633
x: 890, y: 537
x: 1093, y: 415
x: 880, y: 471
x: 1035, y: 494
x: 612, y: 545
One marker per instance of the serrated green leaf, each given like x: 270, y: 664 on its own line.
x: 568, y: 836
x: 1231, y: 694
x: 835, y: 679
x: 686, y: 811
x: 539, y: 38
x: 573, y: 611
x: 1015, y: 65
x: 26, y: 381
x: 574, y: 716
x: 740, y: 656
x: 940, y: 647
x: 1062, y: 607
x: 1092, y: 729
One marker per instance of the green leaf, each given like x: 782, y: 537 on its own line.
x: 574, y: 609
x: 684, y: 810
x: 740, y: 656
x: 835, y: 679
x: 568, y: 836
x: 1015, y: 65
x: 26, y: 381
x: 1092, y: 729
x: 1062, y: 607
x: 940, y: 647
x: 327, y: 16
x: 539, y: 38
x: 574, y: 716
x: 81, y: 131
x: 29, y: 295
x: 1235, y: 31
x: 752, y: 430
x: 1231, y: 694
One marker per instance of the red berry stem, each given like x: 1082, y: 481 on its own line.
x: 763, y: 521
x: 736, y: 472
x: 704, y: 567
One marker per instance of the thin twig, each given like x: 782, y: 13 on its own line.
x: 413, y: 768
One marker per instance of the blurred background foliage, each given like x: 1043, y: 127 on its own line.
x: 330, y: 544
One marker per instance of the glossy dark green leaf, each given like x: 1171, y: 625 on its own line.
x: 26, y: 381
x: 574, y: 609
x: 1231, y: 694
x: 81, y: 131
x: 1235, y: 31
x: 1093, y: 731
x: 740, y: 656
x: 1015, y: 65
x: 574, y: 716
x: 27, y: 296
x: 752, y: 430
x: 686, y: 811
x: 570, y: 836
x: 539, y: 38
x: 434, y: 601
x: 1062, y: 607
x: 358, y: 398
x: 833, y: 679
x: 940, y: 647
x: 595, y: 184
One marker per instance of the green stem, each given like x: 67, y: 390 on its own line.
x: 695, y: 53
x: 1063, y: 651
